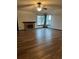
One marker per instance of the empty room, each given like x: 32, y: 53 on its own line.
x: 39, y: 29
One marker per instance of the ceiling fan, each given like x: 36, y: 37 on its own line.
x: 39, y: 6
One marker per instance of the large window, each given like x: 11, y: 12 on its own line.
x: 41, y: 20
x: 48, y: 20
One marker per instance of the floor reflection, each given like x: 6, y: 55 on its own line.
x: 44, y: 35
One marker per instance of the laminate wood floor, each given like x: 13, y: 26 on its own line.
x: 39, y: 44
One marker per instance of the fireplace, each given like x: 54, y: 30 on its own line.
x: 29, y: 25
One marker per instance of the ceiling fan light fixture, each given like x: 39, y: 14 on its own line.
x: 39, y: 8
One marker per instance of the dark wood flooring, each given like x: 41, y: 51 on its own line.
x: 39, y: 44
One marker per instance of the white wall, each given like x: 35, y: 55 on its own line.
x: 25, y: 16
x: 57, y: 22
x: 28, y: 16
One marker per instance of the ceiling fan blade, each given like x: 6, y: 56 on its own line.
x: 53, y: 5
x: 22, y: 6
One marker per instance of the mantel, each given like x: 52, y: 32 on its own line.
x: 29, y: 22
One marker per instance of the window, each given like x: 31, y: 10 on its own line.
x: 40, y: 20
x: 48, y: 20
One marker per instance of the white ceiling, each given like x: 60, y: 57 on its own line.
x: 53, y: 6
